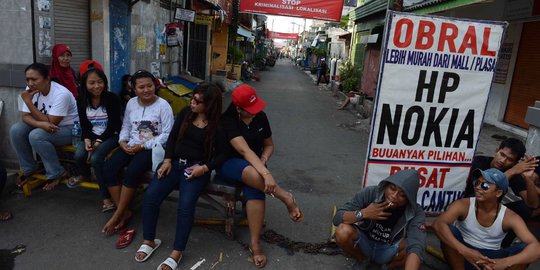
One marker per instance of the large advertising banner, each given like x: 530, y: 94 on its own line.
x: 435, y: 79
x: 278, y: 35
x: 328, y: 10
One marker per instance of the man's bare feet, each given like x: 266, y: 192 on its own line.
x: 294, y: 211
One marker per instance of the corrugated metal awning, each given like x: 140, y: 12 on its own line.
x: 368, y: 9
x: 434, y: 6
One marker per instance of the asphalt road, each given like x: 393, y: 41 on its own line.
x: 319, y: 156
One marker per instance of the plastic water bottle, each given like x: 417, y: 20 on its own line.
x: 76, y: 133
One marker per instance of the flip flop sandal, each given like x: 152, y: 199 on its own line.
x: 73, y: 182
x: 258, y: 257
x: 148, y: 250
x: 170, y: 262
x: 126, y: 237
x: 5, y: 216
x: 108, y: 208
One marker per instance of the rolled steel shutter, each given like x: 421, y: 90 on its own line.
x: 525, y: 83
x: 72, y: 27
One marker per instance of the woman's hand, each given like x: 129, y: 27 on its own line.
x: 96, y: 145
x: 124, y: 146
x: 269, y: 183
x: 27, y: 95
x: 88, y: 145
x: 49, y: 127
x: 198, y: 171
x: 164, y: 169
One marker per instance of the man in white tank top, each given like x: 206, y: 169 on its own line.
x: 472, y: 229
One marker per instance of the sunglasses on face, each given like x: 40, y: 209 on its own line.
x: 483, y: 185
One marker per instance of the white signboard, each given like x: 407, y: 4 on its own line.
x: 435, y: 79
x: 184, y: 15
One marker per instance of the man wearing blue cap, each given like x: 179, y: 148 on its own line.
x: 472, y: 229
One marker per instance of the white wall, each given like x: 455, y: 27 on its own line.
x: 498, y: 97
x: 100, y: 24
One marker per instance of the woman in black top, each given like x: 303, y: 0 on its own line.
x: 100, y: 117
x: 195, y: 143
x: 249, y: 133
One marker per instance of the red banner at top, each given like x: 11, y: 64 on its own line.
x: 328, y: 10
x: 278, y: 35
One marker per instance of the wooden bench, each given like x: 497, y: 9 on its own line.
x: 218, y: 195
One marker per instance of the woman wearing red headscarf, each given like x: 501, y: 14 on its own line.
x: 61, y: 71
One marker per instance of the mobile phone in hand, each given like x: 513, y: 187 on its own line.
x: 188, y: 172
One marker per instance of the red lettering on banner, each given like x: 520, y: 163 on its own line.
x: 429, y: 176
x: 426, y: 29
x: 408, y: 34
x: 448, y: 37
x: 446, y: 34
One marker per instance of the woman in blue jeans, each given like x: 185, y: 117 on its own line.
x: 48, y: 113
x: 195, y: 147
x: 100, y: 118
x: 147, y: 122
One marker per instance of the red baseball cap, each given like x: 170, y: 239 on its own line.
x: 88, y: 64
x: 244, y: 96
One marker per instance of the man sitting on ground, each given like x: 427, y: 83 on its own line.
x: 353, y: 97
x: 481, y: 223
x: 510, y: 158
x: 383, y: 224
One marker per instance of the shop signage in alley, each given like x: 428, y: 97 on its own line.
x: 435, y: 78
x: 278, y: 35
x: 204, y: 19
x: 328, y: 10
x: 184, y: 15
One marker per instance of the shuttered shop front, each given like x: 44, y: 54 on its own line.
x: 72, y: 27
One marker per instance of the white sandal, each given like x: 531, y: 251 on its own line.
x: 170, y: 262
x: 148, y: 250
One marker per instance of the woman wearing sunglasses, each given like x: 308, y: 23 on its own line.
x: 249, y: 133
x: 147, y: 122
x: 195, y: 147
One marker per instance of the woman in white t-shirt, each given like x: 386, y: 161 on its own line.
x: 48, y: 113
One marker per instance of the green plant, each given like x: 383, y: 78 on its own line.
x: 350, y: 76
x: 319, y: 52
x: 236, y: 55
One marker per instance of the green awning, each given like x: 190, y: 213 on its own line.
x: 434, y: 6
x: 368, y: 9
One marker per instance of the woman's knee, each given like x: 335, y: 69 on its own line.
x: 38, y: 135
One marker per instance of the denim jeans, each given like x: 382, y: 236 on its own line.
x: 377, y: 252
x: 25, y: 139
x: 490, y: 253
x: 96, y: 161
x: 137, y: 166
x: 159, y: 189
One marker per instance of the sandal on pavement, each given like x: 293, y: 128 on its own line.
x: 5, y: 216
x: 108, y: 208
x: 148, y: 250
x: 125, y: 238
x: 258, y: 257
x: 171, y: 263
x: 73, y: 182
x: 51, y: 184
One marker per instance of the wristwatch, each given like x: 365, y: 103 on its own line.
x: 358, y: 215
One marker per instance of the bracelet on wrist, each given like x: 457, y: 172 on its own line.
x: 99, y: 140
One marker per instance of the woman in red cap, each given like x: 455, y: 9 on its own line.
x: 249, y: 133
x: 61, y: 71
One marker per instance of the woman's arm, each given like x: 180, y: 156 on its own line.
x: 268, y: 149
x: 114, y: 114
x: 241, y: 146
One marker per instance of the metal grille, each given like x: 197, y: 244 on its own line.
x: 197, y: 50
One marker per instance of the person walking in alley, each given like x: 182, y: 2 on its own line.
x: 249, y: 133
x: 48, y: 113
x: 322, y: 73
x: 472, y: 229
x: 383, y: 224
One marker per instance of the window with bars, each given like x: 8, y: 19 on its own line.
x: 168, y: 4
